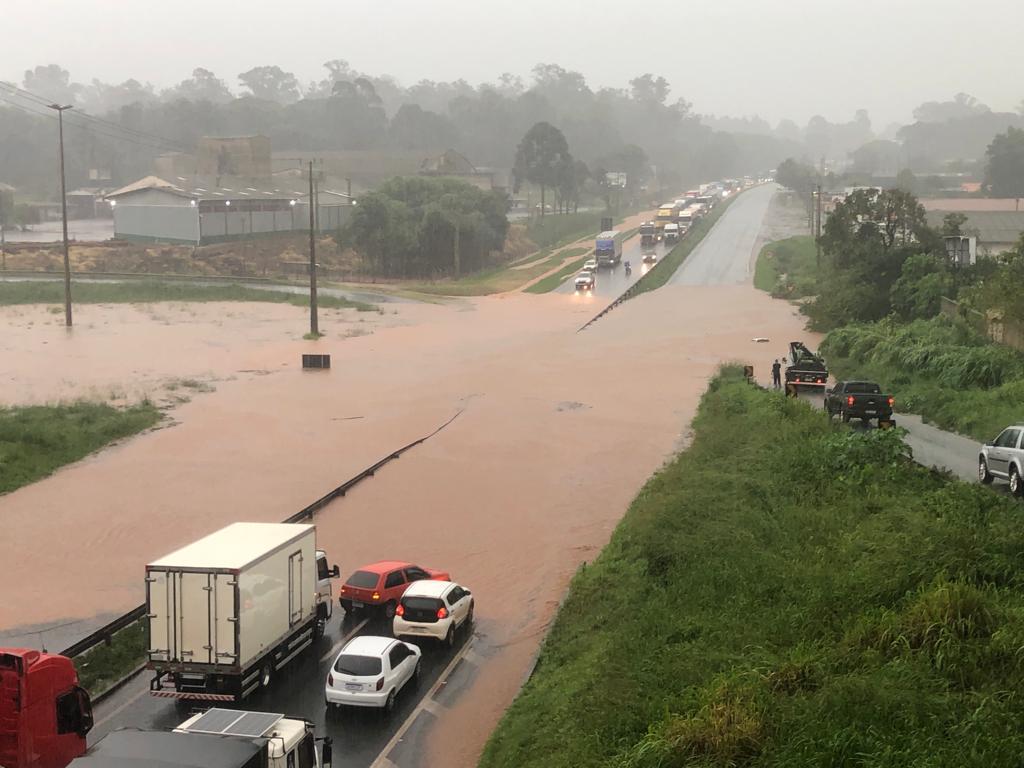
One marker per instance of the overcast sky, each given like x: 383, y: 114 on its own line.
x: 776, y: 58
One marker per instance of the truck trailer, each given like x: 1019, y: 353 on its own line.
x: 667, y: 213
x: 648, y: 234
x: 217, y: 738
x: 608, y: 248
x: 44, y: 714
x: 227, y: 612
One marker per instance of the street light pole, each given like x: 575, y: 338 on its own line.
x: 64, y: 214
x: 314, y: 326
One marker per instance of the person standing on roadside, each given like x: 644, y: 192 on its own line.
x: 777, y: 375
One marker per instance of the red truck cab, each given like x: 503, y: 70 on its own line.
x: 44, y: 714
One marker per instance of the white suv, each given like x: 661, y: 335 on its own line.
x: 435, y: 609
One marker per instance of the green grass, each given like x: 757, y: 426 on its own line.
x: 940, y: 368
x: 555, y: 279
x: 556, y: 230
x: 788, y: 268
x: 501, y: 279
x: 104, y: 665
x: 786, y: 593
x: 671, y: 261
x: 147, y: 291
x: 36, y: 440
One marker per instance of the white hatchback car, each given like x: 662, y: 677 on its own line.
x: 590, y: 265
x: 435, y: 609
x: 370, y: 671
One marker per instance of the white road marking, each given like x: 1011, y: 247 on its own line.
x: 337, y: 646
x: 425, y: 703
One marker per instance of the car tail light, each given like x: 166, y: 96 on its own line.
x: 442, y: 613
x: 343, y: 590
x: 849, y: 400
x: 892, y: 401
x: 330, y: 678
x: 400, y: 610
x: 376, y: 596
x: 821, y: 381
x: 380, y: 684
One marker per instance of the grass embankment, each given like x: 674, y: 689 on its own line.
x: 940, y: 368
x: 671, y: 261
x: 788, y: 268
x: 555, y: 230
x: 36, y: 440
x: 501, y: 279
x: 786, y: 593
x: 149, y: 291
x: 104, y: 665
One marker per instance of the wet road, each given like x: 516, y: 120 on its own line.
x: 362, y: 737
x: 727, y: 253
x: 612, y: 283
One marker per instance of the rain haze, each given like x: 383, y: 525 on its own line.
x: 774, y: 58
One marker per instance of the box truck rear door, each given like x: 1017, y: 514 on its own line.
x: 224, y: 618
x: 194, y: 630
x: 160, y: 600
x: 295, y: 605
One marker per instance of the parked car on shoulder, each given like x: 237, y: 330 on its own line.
x: 1003, y: 458
x: 371, y: 671
x: 434, y: 609
x: 862, y: 400
x: 381, y: 585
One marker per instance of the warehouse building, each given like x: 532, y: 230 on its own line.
x: 190, y: 211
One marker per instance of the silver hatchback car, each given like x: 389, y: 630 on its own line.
x: 1004, y: 458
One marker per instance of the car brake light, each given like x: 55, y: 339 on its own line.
x: 400, y: 610
x: 380, y: 684
x: 849, y: 400
x: 330, y: 678
x: 892, y: 401
x: 343, y: 590
x: 442, y: 613
x: 376, y: 596
x: 821, y: 381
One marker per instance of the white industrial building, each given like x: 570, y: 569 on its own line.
x: 190, y: 211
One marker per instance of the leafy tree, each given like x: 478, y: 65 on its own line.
x: 271, y: 83
x: 953, y: 224
x: 413, y: 127
x: 799, y: 177
x: 1005, y: 171
x: 542, y: 158
x: 52, y: 82
x: 202, y: 86
x: 924, y: 279
x: 962, y: 105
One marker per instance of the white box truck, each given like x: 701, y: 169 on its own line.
x: 230, y: 610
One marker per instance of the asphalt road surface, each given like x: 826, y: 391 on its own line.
x: 362, y: 737
x: 726, y: 254
x: 613, y: 282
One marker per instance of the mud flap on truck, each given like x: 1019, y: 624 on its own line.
x: 194, y: 686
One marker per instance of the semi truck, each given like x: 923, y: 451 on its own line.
x: 229, y: 611
x: 671, y: 233
x: 45, y: 715
x: 217, y: 738
x: 648, y: 234
x: 608, y: 248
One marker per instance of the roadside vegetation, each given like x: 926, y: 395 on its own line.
x: 786, y: 592
x: 37, y: 440
x: 151, y: 291
x: 101, y: 667
x: 499, y: 279
x: 897, y: 310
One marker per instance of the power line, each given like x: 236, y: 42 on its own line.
x: 41, y: 111
x: 82, y: 117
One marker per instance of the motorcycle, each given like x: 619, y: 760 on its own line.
x: 629, y: 269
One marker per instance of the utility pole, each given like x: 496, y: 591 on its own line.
x: 314, y: 326
x: 457, y: 255
x: 64, y: 215
x: 817, y: 232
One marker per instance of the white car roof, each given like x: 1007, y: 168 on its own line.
x: 367, y: 645
x: 427, y: 588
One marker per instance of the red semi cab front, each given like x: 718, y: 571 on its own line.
x: 44, y: 714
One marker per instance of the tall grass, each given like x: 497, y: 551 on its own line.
x: 788, y: 268
x: 36, y: 440
x: 940, y: 368
x: 786, y: 593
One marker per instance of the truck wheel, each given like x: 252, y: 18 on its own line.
x: 984, y: 476
x: 266, y: 675
x: 1015, y: 483
x: 846, y: 417
x: 318, y: 629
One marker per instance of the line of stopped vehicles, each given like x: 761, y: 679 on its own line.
x: 223, y: 617
x: 1001, y: 458
x: 671, y: 223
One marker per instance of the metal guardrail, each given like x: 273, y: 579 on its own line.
x: 106, y: 632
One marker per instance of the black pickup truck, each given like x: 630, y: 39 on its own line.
x: 859, y: 400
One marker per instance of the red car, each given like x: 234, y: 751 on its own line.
x: 381, y: 585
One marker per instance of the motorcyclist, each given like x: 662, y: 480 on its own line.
x: 628, y: 268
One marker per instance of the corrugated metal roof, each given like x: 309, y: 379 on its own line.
x: 212, y: 191
x: 992, y: 226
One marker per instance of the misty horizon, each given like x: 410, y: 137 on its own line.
x: 722, y: 69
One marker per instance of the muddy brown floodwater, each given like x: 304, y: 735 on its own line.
x: 559, y: 430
